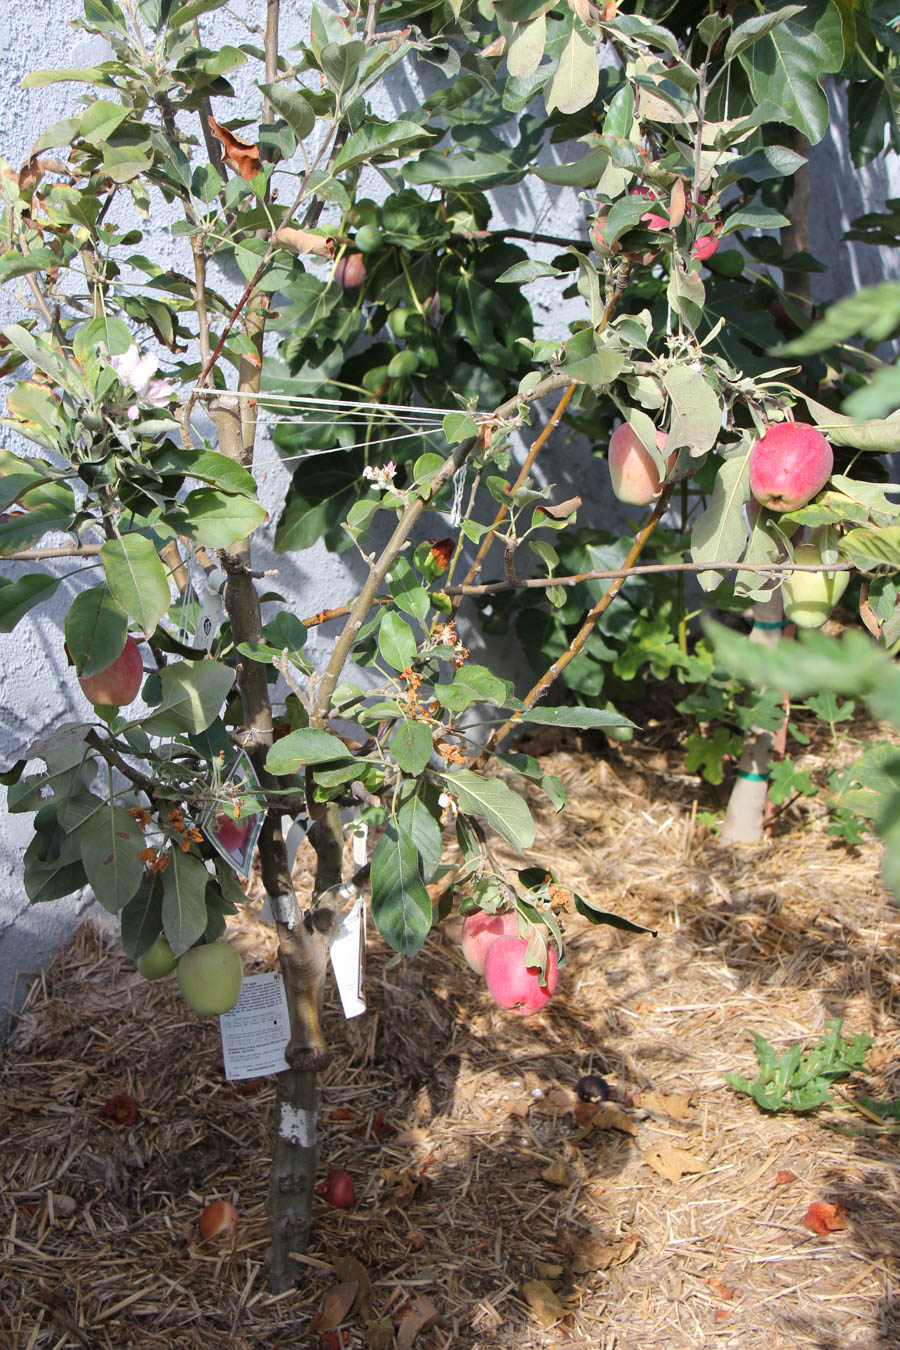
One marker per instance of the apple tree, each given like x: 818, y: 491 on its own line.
x: 279, y: 284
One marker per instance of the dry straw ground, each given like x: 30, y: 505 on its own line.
x: 474, y: 1181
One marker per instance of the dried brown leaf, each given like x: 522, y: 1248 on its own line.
x: 562, y: 510
x: 676, y: 204
x: 349, y: 1269
x: 238, y: 155
x: 720, y: 1287
x: 422, y: 1314
x: 304, y: 241
x: 557, y: 1174
x: 784, y: 1177
x: 336, y: 1303
x: 677, y: 1105
x: 543, y: 1303
x: 589, y: 1254
x: 673, y: 1163
x: 553, y: 1103
x: 604, y: 1117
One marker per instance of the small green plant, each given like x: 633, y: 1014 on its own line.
x: 794, y: 1081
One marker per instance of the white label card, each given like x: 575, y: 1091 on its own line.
x: 256, y: 1031
x: 348, y: 959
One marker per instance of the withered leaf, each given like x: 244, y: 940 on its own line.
x: 677, y: 1105
x: 604, y: 1117
x: 673, y: 1163
x: 822, y: 1217
x: 784, y: 1177
x: 676, y: 204
x: 349, y: 1269
x: 562, y: 510
x: 557, y: 1174
x: 304, y: 241
x: 543, y: 1303
x: 720, y: 1287
x: 336, y: 1303
x: 380, y: 1334
x: 589, y: 1254
x: 553, y: 1103
x: 421, y: 1315
x: 238, y: 155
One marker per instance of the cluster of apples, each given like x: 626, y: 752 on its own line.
x: 658, y: 219
x: 492, y: 947
x: 789, y: 465
x: 209, y: 976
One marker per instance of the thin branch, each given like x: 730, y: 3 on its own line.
x: 113, y: 757
x: 644, y: 569
x: 61, y: 551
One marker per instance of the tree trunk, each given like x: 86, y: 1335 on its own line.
x: 743, y: 823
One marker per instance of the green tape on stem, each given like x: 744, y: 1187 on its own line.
x: 753, y: 777
x: 769, y: 624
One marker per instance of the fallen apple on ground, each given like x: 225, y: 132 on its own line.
x: 158, y: 960
x: 809, y: 597
x: 218, y: 1217
x: 515, y: 986
x: 210, y: 977
x: 120, y: 683
x: 789, y: 465
x: 337, y: 1189
x: 481, y: 930
x: 635, y: 477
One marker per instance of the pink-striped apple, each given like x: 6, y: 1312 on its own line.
x: 515, y: 986
x: 480, y: 930
x: 635, y: 477
x: 789, y: 465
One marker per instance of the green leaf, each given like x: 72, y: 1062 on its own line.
x: 582, y: 718
x: 411, y: 746
x: 491, y: 799
x: 18, y: 597
x: 375, y: 143
x: 720, y: 533
x: 100, y: 119
x: 216, y: 519
x: 594, y: 914
x: 786, y: 66
x: 20, y: 264
x: 96, y: 629
x: 141, y: 918
x: 136, y: 579
x: 523, y: 272
x: 309, y: 745
x: 696, y: 412
x: 577, y: 76
x: 419, y: 816
x: 401, y: 905
x: 192, y: 10
x: 192, y: 694
x: 396, y: 641
x: 755, y: 216
x: 293, y: 107
x: 530, y: 768
x: 210, y: 467
x: 526, y: 46
x: 473, y: 684
x: 747, y: 33
x: 38, y: 79
x: 407, y: 590
x: 317, y: 499
x: 582, y: 173
x: 184, y: 901
x: 874, y: 312
x: 869, y: 548
x: 110, y: 844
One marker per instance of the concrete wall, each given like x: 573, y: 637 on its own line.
x: 37, y: 691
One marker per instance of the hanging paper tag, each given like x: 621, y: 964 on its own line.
x: 256, y: 1031
x: 348, y: 959
x: 360, y: 835
x: 212, y: 609
x: 298, y: 831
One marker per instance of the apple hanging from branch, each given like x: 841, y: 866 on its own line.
x: 119, y: 684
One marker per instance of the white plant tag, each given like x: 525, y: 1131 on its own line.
x: 256, y: 1031
x: 212, y: 609
x: 360, y: 835
x: 348, y: 959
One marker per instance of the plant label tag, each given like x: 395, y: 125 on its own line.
x: 234, y: 837
x: 256, y: 1031
x: 348, y: 959
x: 360, y: 835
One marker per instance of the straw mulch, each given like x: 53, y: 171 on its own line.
x: 487, y: 1217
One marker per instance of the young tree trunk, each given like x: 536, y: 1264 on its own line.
x: 743, y: 823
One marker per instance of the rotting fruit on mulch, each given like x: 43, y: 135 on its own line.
x: 492, y: 1209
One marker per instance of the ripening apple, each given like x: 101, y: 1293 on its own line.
x: 705, y: 247
x: 789, y: 465
x: 119, y: 683
x: 232, y: 834
x: 351, y: 271
x: 635, y: 477
x: 210, y: 977
x: 158, y: 960
x: 480, y: 930
x: 809, y: 597
x: 515, y: 986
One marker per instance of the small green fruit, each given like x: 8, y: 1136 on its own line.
x: 158, y: 960
x: 397, y: 321
x: 374, y: 379
x: 363, y: 212
x: 404, y: 363
x: 368, y: 238
x: 210, y: 977
x: 809, y: 597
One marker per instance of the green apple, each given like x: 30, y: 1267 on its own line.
x: 809, y: 597
x: 210, y: 977
x: 158, y: 960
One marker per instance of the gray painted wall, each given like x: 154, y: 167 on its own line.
x: 37, y: 691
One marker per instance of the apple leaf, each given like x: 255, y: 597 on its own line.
x: 582, y: 718
x: 396, y: 641
x: 192, y: 694
x: 110, y: 844
x: 491, y: 799
x: 96, y: 629
x: 401, y: 905
x: 720, y: 533
x: 309, y: 745
x: 141, y: 918
x: 216, y: 519
x: 419, y: 816
x: 18, y: 597
x: 184, y: 901
x: 136, y: 579
x: 411, y: 746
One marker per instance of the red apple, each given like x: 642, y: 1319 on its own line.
x: 514, y: 985
x: 351, y: 271
x: 218, y: 1217
x: 337, y: 1189
x: 232, y: 834
x: 635, y: 477
x: 652, y: 219
x: 789, y: 465
x: 705, y: 247
x: 119, y: 683
x: 480, y: 930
